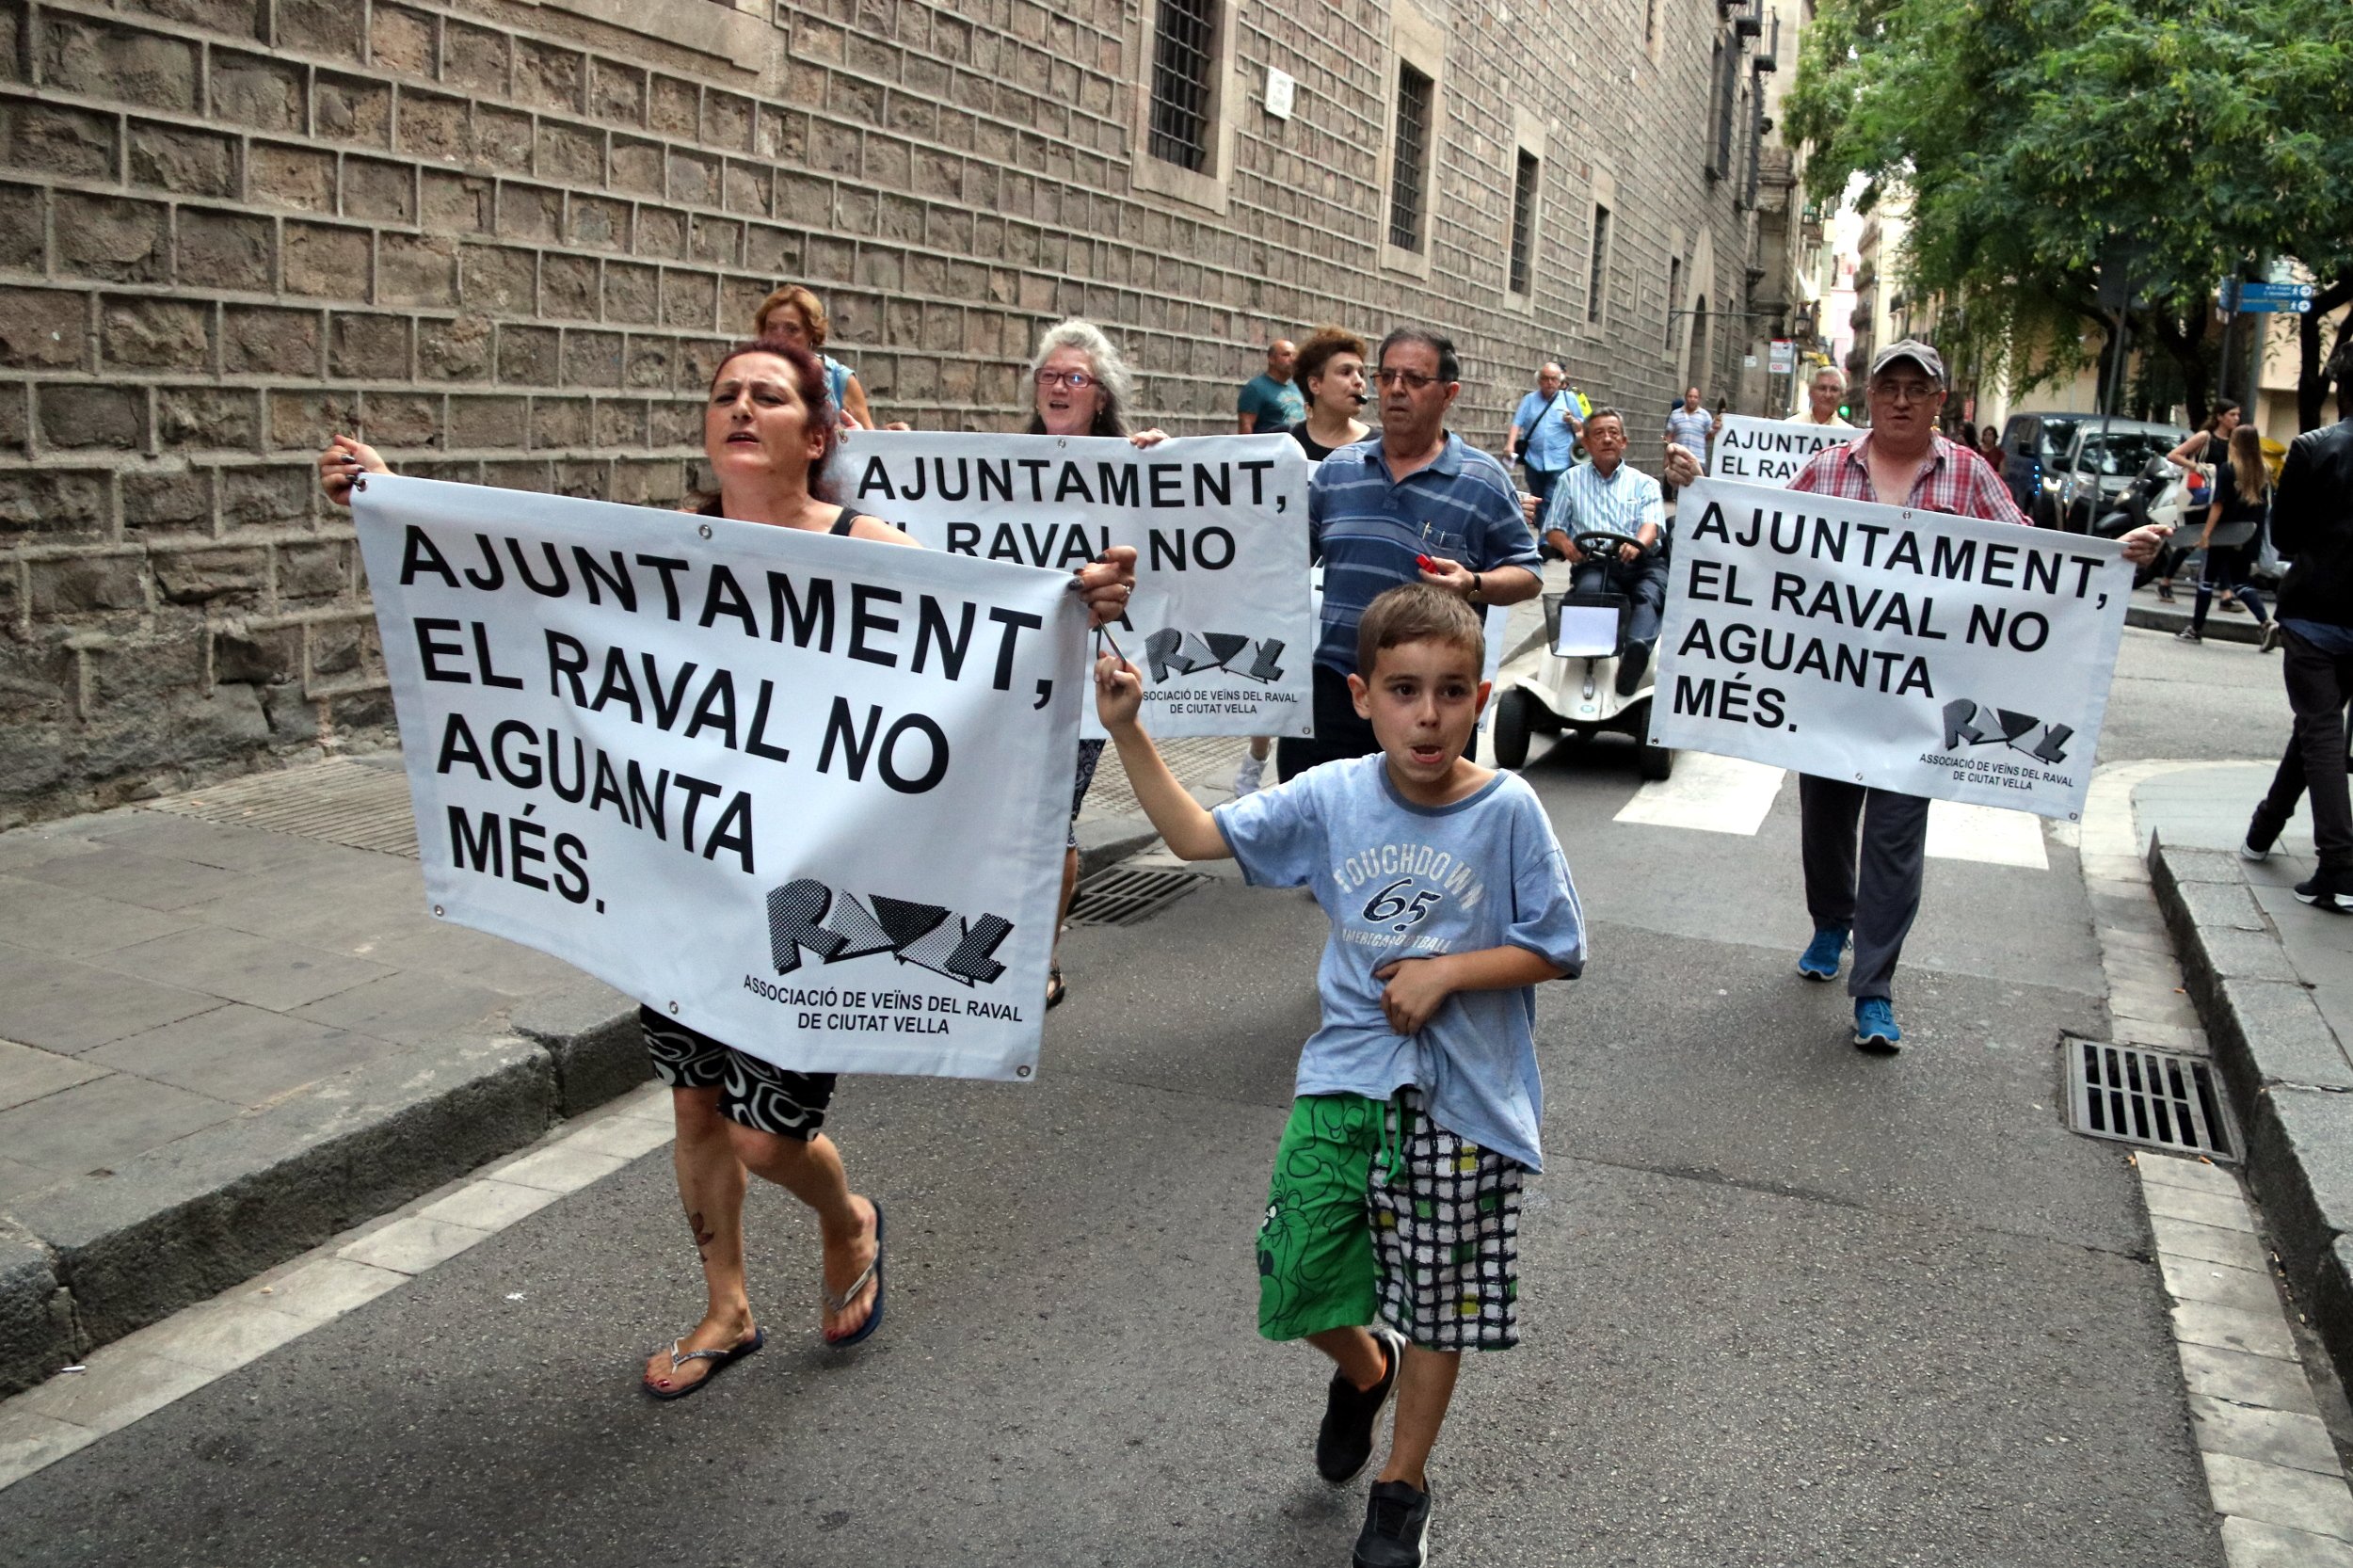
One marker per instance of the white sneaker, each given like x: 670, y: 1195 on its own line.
x: 1248, y: 775
x: 2247, y: 850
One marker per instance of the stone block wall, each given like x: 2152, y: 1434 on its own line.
x: 500, y: 239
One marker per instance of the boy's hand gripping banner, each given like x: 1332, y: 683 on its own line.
x: 804, y: 795
x: 1913, y: 652
x: 1221, y: 623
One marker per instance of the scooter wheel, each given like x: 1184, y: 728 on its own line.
x: 1512, y: 712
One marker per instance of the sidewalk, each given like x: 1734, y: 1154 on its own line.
x: 2152, y: 614
x: 2273, y: 982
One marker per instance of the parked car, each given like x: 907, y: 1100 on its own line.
x: 2100, y: 460
x: 2032, y: 445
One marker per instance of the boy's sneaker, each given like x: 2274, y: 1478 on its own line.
x: 1819, y: 961
x: 2329, y: 890
x: 1248, y: 777
x: 1344, y: 1443
x: 1875, y: 1025
x: 1396, y: 1528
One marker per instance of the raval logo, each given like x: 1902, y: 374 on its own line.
x: 1968, y: 723
x: 838, y: 926
x: 1172, y: 653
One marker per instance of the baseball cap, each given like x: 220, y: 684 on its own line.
x: 1913, y: 349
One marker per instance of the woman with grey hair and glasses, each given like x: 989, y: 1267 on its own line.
x: 1082, y: 385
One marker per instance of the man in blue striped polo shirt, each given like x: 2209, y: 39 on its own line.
x: 1612, y: 495
x: 1418, y: 505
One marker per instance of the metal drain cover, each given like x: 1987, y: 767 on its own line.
x: 2159, y: 1099
x: 344, y: 801
x: 1124, y: 894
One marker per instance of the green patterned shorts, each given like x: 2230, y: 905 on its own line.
x: 1427, y: 1236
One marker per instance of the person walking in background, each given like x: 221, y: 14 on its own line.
x: 1824, y: 392
x: 1270, y: 402
x: 1692, y: 427
x: 2312, y: 523
x: 1990, y: 446
x: 2234, y: 532
x: 1079, y: 386
x: 2195, y: 458
x: 793, y: 314
x: 1331, y: 370
x: 1545, y: 432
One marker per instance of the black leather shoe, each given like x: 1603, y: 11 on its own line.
x: 1630, y: 667
x: 1344, y: 1443
x: 2329, y: 890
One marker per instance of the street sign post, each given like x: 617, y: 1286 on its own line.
x: 2231, y: 294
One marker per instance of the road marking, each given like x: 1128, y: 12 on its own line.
x: 1707, y: 793
x: 1728, y: 794
x: 1986, y: 834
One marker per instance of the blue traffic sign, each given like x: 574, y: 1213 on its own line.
x: 2232, y: 295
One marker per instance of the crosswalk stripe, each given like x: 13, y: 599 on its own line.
x: 1985, y: 834
x: 1728, y: 794
x: 1710, y: 793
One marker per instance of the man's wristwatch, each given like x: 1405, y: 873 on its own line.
x: 1478, y: 590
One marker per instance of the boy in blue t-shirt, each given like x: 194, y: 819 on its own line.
x: 1397, y: 1186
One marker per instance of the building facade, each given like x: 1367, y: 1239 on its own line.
x: 500, y: 239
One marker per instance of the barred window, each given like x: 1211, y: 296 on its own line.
x: 1409, y: 163
x: 1601, y: 262
x: 1675, y: 297
x: 1522, y: 223
x: 1183, y: 67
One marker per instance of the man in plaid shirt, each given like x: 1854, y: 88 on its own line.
x: 1900, y: 461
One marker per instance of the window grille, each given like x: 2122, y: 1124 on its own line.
x: 1183, y: 67
x: 1599, y: 275
x: 1726, y: 93
x: 1674, y: 295
x: 1409, y: 165
x: 1522, y: 223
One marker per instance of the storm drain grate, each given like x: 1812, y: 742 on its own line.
x: 339, y: 802
x: 2157, y: 1097
x: 1124, y: 894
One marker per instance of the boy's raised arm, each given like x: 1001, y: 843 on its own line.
x: 1190, y: 831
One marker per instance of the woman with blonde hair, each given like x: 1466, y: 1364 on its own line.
x: 795, y: 315
x: 2234, y: 523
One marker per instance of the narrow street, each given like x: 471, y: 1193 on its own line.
x: 1784, y: 1302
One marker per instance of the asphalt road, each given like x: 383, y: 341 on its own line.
x: 1783, y: 1304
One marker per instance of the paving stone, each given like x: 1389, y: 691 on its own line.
x: 206, y: 843
x: 2273, y: 1437
x: 489, y: 1203
x: 17, y: 1178
x: 560, y: 1168
x: 27, y: 1075
x: 2249, y: 1543
x: 339, y: 912
x: 244, y: 968
x: 2277, y: 1495
x: 487, y: 960
x: 2198, y: 1176
x: 149, y: 881
x: 2206, y: 1208
x: 409, y: 1008
x: 412, y: 1245
x: 325, y: 1288
x: 2264, y: 1382
x: 2247, y: 954
x: 2234, y: 1247
x: 2241, y: 1289
x: 591, y: 1031
x: 36, y: 1326
x: 246, y: 1054
x: 67, y: 1006
x: 101, y: 1124
x: 2217, y: 908
x: 624, y: 1137
x: 30, y: 846
x: 57, y: 920
x: 2206, y: 865
x: 118, y: 1388
x: 2278, y: 1027
x: 2306, y: 1137
x: 2263, y: 1333
x: 31, y: 1442
x: 219, y: 1336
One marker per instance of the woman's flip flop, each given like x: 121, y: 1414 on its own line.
x: 842, y: 1303
x: 720, y: 1361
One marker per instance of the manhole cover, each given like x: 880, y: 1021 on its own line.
x: 2157, y: 1097
x: 1124, y: 894
x: 341, y: 802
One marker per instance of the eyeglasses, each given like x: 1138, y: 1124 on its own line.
x: 1905, y: 392
x: 1412, y: 381
x: 1077, y: 380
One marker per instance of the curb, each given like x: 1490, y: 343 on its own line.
x: 2286, y: 1069
x: 89, y: 1261
x: 2221, y: 627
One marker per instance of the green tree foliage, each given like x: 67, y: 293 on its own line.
x: 2037, y: 138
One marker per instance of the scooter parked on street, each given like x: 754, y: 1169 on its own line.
x: 1568, y: 685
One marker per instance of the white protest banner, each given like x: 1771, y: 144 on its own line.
x: 1916, y: 651
x: 1221, y: 623
x: 806, y: 795
x: 1770, y: 451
